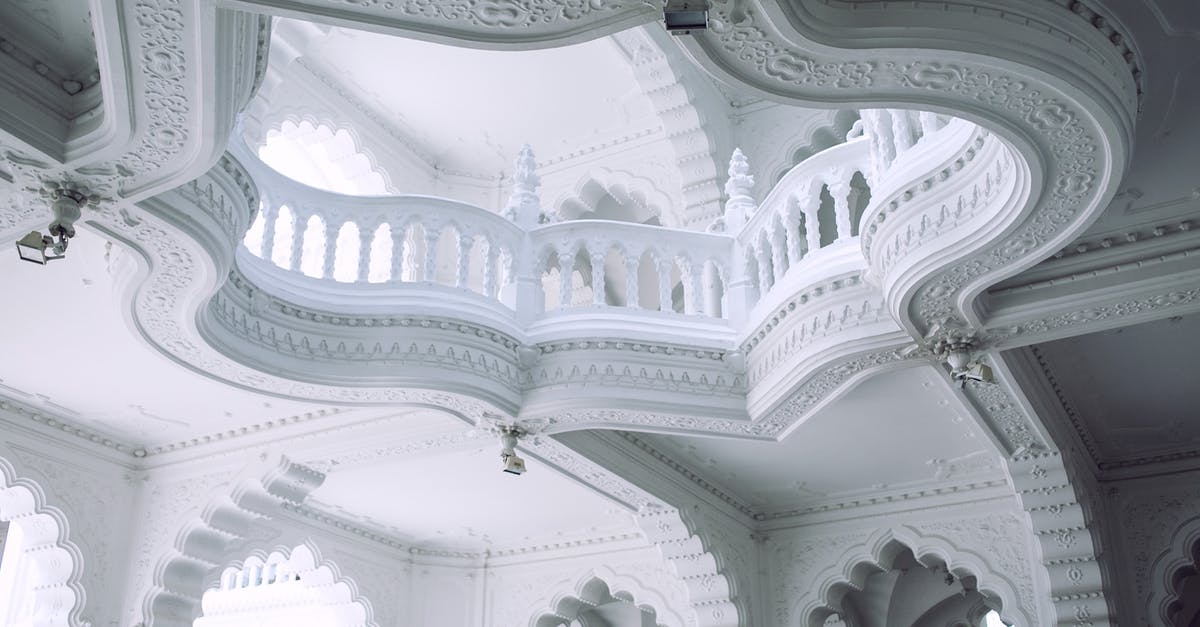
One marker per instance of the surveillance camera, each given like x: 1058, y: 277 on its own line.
x: 512, y: 464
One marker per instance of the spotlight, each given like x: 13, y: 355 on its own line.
x: 957, y: 354
x: 684, y: 16
x: 510, y: 462
x: 67, y: 206
x: 33, y: 248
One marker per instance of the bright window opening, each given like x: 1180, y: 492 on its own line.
x: 321, y: 157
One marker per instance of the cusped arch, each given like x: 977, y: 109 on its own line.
x: 290, y: 122
x: 598, y: 183
x: 293, y: 581
x: 604, y: 585
x: 58, y: 596
x: 222, y: 522
x: 879, y: 553
x: 1171, y: 568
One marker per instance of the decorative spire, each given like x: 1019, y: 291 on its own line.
x: 739, y: 189
x: 740, y: 182
x: 525, y: 178
x: 524, y: 208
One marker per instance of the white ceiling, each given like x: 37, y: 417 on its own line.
x: 69, y: 349
x: 471, y: 110
x: 55, y: 32
x: 1133, y: 388
x: 458, y: 498
x: 897, y: 430
x: 1161, y: 181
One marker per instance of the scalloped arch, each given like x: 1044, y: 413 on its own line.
x: 879, y: 552
x: 210, y: 531
x: 59, y: 596
x: 1171, y: 567
x: 605, y: 585
x: 307, y: 565
x: 604, y: 180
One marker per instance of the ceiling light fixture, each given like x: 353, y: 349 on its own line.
x: 681, y: 17
x: 67, y: 206
x: 957, y: 354
x: 511, y: 463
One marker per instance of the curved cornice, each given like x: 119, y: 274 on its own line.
x: 1053, y: 87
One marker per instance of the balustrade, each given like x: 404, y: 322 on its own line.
x: 596, y: 264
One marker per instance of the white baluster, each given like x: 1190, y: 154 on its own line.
x: 664, y: 285
x: 901, y: 131
x: 596, y: 256
x: 566, y: 272
x: 331, y: 233
x: 365, y: 235
x: 297, y: 243
x: 462, y: 251
x: 778, y: 250
x: 270, y: 217
x: 929, y: 123
x: 693, y: 291
x: 791, y: 224
x: 429, y: 264
x: 490, y: 262
x: 399, y: 250
x: 764, y: 268
x: 839, y: 189
x: 712, y: 297
x: 411, y: 265
x: 632, y: 289
x: 812, y: 227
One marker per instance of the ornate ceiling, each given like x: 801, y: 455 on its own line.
x: 1041, y: 210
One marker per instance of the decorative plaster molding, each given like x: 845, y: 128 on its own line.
x: 995, y: 557
x: 55, y: 562
x: 70, y: 85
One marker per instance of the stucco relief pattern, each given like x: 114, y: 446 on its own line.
x: 1149, y: 515
x: 167, y: 504
x: 90, y: 499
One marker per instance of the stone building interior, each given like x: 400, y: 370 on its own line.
x: 599, y: 313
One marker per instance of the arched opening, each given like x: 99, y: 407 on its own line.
x: 346, y: 252
x: 286, y: 588
x: 281, y: 247
x: 320, y: 156
x: 39, y: 566
x: 916, y: 594
x: 312, y: 252
x: 379, y: 270
x: 860, y: 197
x: 595, y: 605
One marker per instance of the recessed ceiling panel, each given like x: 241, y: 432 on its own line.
x: 1134, y: 390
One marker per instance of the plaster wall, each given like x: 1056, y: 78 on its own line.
x: 95, y: 493
x: 807, y: 563
x: 1151, y: 519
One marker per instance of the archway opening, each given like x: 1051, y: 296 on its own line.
x: 286, y: 588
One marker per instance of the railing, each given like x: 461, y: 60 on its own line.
x: 511, y: 256
x: 632, y: 265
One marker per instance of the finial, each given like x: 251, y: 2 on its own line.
x: 740, y: 182
x: 523, y: 206
x: 525, y: 178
